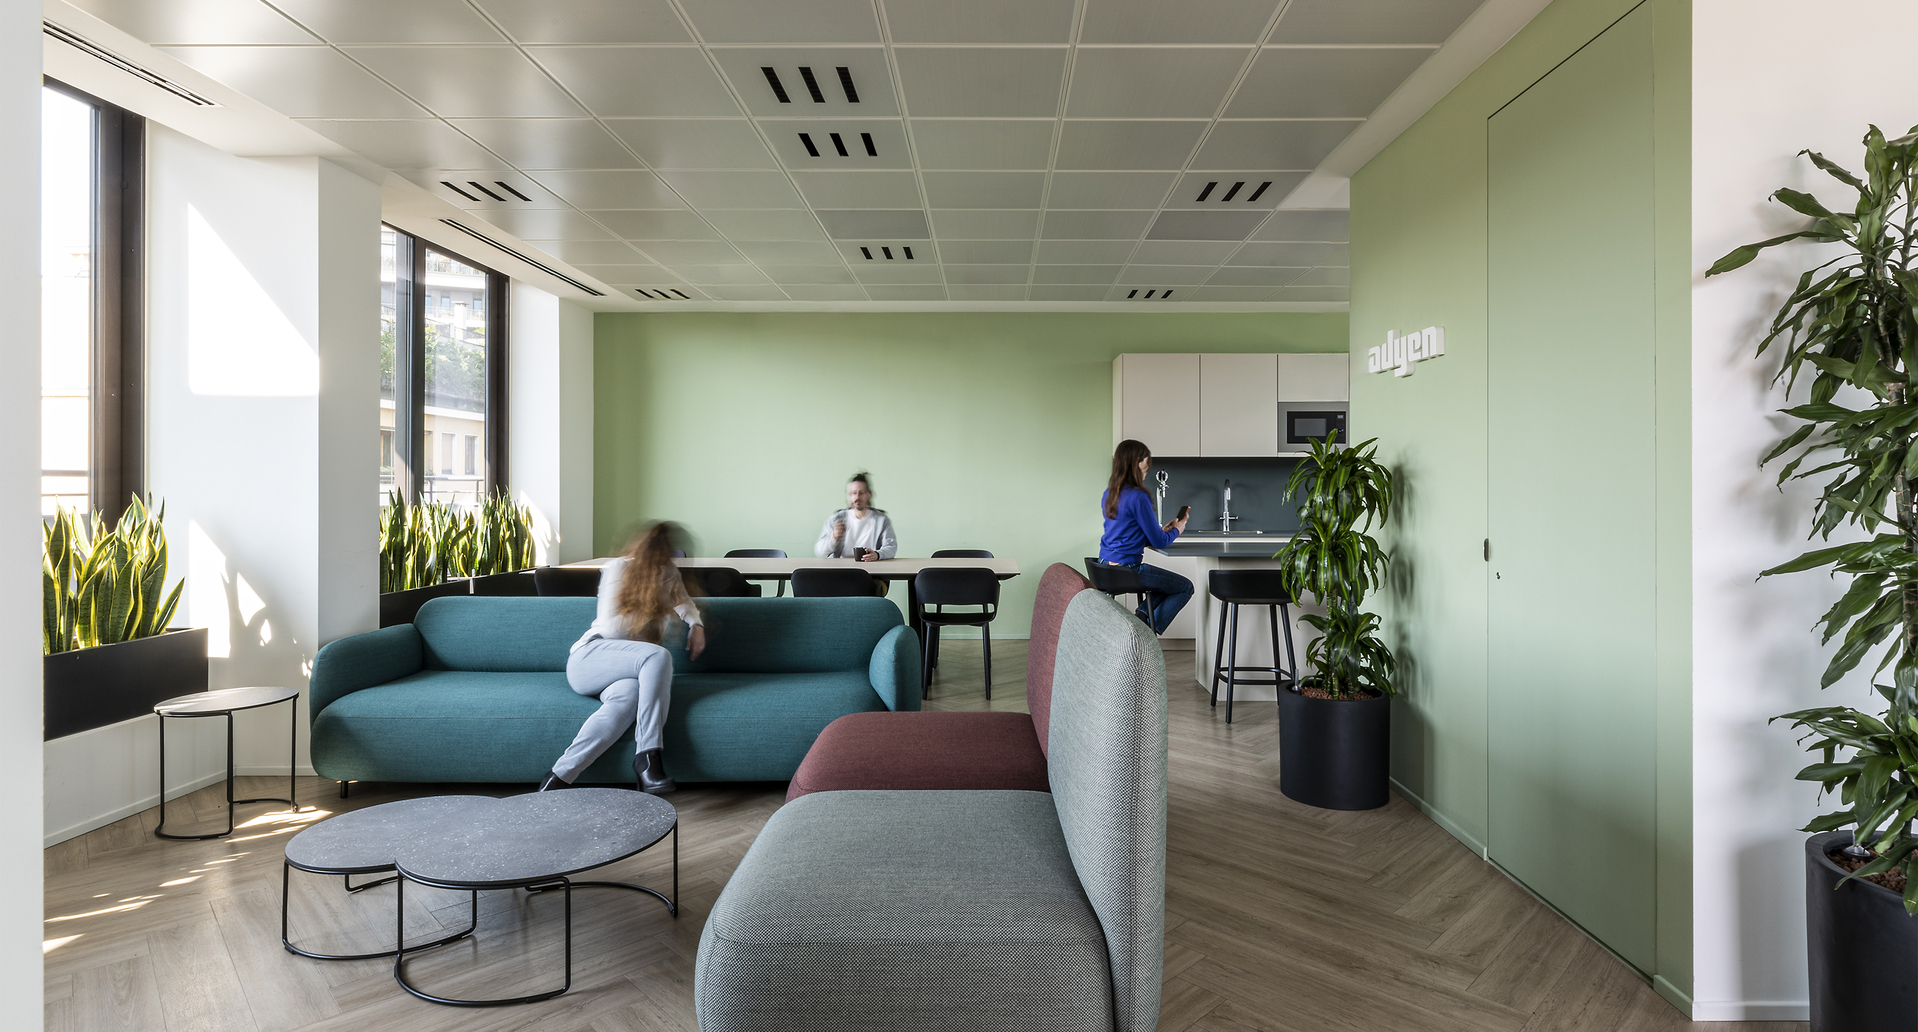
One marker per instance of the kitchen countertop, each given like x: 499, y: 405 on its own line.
x: 1235, y: 547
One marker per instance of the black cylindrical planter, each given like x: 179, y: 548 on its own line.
x: 1333, y: 753
x: 1861, y: 948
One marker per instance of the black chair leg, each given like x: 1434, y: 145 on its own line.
x: 1218, y: 654
x: 1273, y: 612
x: 985, y: 639
x: 925, y: 661
x: 1291, y: 660
x: 1232, y: 659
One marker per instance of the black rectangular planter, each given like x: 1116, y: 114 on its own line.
x: 519, y: 582
x: 398, y: 607
x: 89, y: 688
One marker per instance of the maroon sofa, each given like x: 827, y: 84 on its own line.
x: 954, y: 751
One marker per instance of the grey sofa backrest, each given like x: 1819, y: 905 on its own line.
x: 1106, y: 758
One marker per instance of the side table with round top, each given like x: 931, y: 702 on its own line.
x: 224, y: 702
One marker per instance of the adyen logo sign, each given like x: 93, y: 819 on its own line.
x: 1398, y: 353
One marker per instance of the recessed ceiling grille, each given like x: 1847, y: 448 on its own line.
x: 845, y: 82
x: 147, y: 75
x: 1232, y: 192
x: 779, y: 89
x: 535, y: 263
x: 656, y: 294
x: 839, y: 144
x: 473, y: 186
x: 812, y: 84
x: 1163, y: 294
x: 886, y: 251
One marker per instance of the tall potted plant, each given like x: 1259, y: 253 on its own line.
x: 1335, y: 726
x: 109, y: 654
x: 1853, y: 322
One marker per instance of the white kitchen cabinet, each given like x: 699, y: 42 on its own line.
x: 1155, y: 400
x: 1314, y: 377
x: 1238, y: 405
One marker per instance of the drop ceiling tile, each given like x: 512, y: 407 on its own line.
x: 547, y: 224
x: 1205, y: 225
x: 1297, y: 255
x: 597, y: 252
x: 1304, y: 224
x: 694, y: 142
x: 871, y: 81
x: 982, y: 82
x: 472, y: 81
x: 300, y: 82
x: 888, y: 140
x: 1234, y: 190
x: 1095, y: 225
x: 1164, y: 275
x: 631, y: 275
x: 980, y: 21
x: 985, y: 189
x: 411, y: 143
x: 859, y: 189
x: 716, y: 189
x: 382, y: 21
x: 861, y: 225
x: 609, y: 189
x: 1041, y: 292
x: 1310, y: 294
x: 802, y: 292
x: 1339, y: 255
x: 878, y: 271
x: 788, y: 274
x: 766, y: 223
x: 985, y: 273
x: 469, y: 189
x: 1128, y: 145
x: 1324, y: 277
x: 548, y: 142
x: 595, y: 21
x: 1076, y: 274
x: 1216, y: 293
x: 983, y: 144
x: 197, y: 21
x: 1109, y: 189
x: 1238, y: 276
x: 1152, y: 82
x: 934, y: 293
x: 987, y: 292
x: 656, y: 225
x: 1085, y: 252
x: 789, y: 21
x: 788, y: 252
x: 637, y: 82
x: 721, y: 275
x: 986, y: 224
x: 692, y: 252
x: 1371, y: 21
x: 1182, y: 252
x: 1332, y: 82
x: 986, y: 251
x: 766, y: 293
x: 1158, y: 22
x: 1276, y: 145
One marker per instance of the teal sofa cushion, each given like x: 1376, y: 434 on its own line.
x: 755, y: 727
x: 502, y: 634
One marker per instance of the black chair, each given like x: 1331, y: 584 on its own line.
x: 962, y: 553
x: 1118, y: 580
x: 1237, y: 588
x: 549, y: 581
x: 833, y: 582
x: 717, y: 582
x: 938, y: 588
x: 759, y: 553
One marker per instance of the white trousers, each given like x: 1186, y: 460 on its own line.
x: 633, y: 681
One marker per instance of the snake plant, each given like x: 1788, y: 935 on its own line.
x: 104, y: 584
x: 1347, y: 492
x: 423, y: 545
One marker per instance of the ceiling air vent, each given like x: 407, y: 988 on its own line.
x: 474, y: 186
x: 1233, y: 192
x: 812, y: 84
x: 886, y: 252
x: 1163, y: 294
x: 535, y: 263
x: 839, y: 144
x: 656, y: 294
x: 147, y: 75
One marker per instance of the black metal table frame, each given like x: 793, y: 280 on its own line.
x: 287, y: 867
x: 547, y: 883
x: 292, y: 768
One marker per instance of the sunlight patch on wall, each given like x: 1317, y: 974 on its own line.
x: 206, y: 590
x: 239, y: 342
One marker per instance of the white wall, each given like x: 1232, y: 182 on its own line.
x: 20, y: 864
x: 1760, y: 94
x: 550, y: 420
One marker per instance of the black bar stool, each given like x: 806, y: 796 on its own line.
x: 1237, y: 588
x: 1118, y: 580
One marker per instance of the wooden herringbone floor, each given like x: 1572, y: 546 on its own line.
x: 1279, y: 916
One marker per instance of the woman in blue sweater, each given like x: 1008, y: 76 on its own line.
x: 1131, y: 526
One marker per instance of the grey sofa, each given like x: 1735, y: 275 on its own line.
x: 906, y: 910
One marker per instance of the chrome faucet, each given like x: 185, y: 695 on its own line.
x: 1226, y: 517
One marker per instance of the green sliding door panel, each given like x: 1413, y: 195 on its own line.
x: 1571, y: 491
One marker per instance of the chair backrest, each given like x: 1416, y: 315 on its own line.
x: 962, y: 553
x: 957, y: 586
x: 788, y: 635
x: 1107, y: 762
x: 1250, y: 587
x: 833, y: 583
x: 501, y: 633
x: 1057, y: 586
x: 566, y: 580
x: 756, y: 553
x: 1113, y: 580
x: 717, y: 582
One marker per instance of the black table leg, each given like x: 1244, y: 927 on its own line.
x: 159, y: 829
x: 290, y: 759
x: 399, y: 954
x: 286, y: 874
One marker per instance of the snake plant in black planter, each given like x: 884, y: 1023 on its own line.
x: 1335, y: 726
x: 1853, y: 322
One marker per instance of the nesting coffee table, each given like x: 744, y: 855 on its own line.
x: 535, y: 842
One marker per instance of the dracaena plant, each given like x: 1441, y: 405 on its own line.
x: 1852, y: 322
x: 1347, y: 492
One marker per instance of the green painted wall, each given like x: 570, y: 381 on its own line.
x: 981, y: 430
x: 1419, y: 258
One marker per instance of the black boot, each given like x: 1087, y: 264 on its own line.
x: 553, y: 781
x: 650, y: 770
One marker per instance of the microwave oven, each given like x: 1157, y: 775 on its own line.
x: 1302, y: 423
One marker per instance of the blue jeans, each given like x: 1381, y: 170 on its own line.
x: 1167, y: 592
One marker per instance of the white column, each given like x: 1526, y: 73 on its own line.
x: 550, y: 422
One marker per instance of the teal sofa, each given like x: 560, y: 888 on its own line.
x: 474, y: 690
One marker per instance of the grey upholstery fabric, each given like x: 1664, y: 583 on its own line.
x: 865, y: 910
x: 1106, y: 757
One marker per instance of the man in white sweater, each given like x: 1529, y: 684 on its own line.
x: 858, y: 531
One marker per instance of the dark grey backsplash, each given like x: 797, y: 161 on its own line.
x: 1258, y: 492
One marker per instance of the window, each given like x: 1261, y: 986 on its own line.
x: 442, y: 375
x: 92, y: 158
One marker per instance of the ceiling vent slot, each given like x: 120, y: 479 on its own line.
x: 806, y: 138
x: 905, y: 252
x: 779, y: 89
x: 845, y: 83
x: 447, y: 183
x: 1203, y: 194
x: 908, y: 251
x: 656, y: 294
x: 509, y: 189
x: 812, y: 85
x: 100, y: 53
x: 867, y: 251
x: 1234, y: 192
x: 871, y: 151
x: 1163, y: 294
x: 839, y: 145
x: 683, y: 296
x: 887, y: 251
x: 475, y: 184
x: 535, y: 263
x: 1260, y: 192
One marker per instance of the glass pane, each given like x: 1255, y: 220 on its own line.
x: 389, y: 342
x: 66, y: 300
x: 455, y: 375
